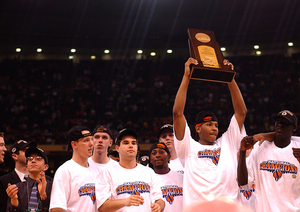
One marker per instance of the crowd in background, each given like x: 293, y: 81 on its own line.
x: 41, y: 100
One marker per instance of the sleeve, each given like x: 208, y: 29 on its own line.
x: 234, y: 135
x: 155, y: 191
x: 60, y: 189
x: 103, y: 187
x: 3, y: 195
x: 183, y: 147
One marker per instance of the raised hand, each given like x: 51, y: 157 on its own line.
x: 247, y: 143
x: 187, y: 70
x: 42, y: 184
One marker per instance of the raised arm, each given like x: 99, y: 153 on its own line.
x: 238, y: 103
x: 179, y: 120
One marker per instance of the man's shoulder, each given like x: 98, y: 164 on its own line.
x: 10, y: 177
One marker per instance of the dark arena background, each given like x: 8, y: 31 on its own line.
x: 120, y: 63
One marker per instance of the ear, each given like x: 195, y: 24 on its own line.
x: 198, y: 129
x: 73, y: 144
x: 46, y: 166
x: 169, y: 157
x: 111, y: 142
x: 117, y: 148
x: 14, y: 156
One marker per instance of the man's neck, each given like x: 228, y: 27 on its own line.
x: 82, y: 161
x: 21, y: 168
x: 100, y: 158
x: 164, y: 170
x: 128, y: 164
x: 173, y: 154
x: 282, y: 142
x: 34, y: 175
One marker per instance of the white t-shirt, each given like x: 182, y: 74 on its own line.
x: 99, y: 167
x: 175, y: 165
x: 119, y: 183
x: 277, y: 181
x: 73, y: 188
x: 210, y: 169
x: 170, y: 185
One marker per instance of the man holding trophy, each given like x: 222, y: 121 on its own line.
x: 210, y: 163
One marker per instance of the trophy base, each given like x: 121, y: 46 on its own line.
x: 212, y: 75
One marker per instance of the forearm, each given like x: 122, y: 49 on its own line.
x: 178, y: 108
x: 242, y: 172
x: 112, y: 205
x: 238, y: 103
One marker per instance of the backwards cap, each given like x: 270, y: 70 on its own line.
x: 205, y: 116
x: 103, y: 128
x: 75, y: 133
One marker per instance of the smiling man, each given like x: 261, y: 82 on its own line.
x: 74, y: 181
x: 170, y: 182
x: 129, y: 186
x: 274, y: 167
x: 2, y: 147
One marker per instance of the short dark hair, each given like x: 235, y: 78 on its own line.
x: 2, y: 134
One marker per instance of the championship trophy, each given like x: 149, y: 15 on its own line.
x: 204, y: 48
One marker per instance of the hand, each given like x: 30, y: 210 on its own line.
x: 259, y: 137
x: 187, y: 70
x: 42, y: 185
x: 134, y: 200
x: 296, y: 153
x: 227, y: 63
x: 12, y: 192
x: 155, y: 207
x: 247, y: 143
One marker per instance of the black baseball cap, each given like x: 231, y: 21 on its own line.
x: 160, y: 146
x: 205, y: 116
x: 39, y: 151
x: 21, y: 144
x: 288, y: 115
x: 165, y: 127
x: 124, y: 132
x: 75, y: 133
x: 103, y: 128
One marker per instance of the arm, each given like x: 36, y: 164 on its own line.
x: 238, y: 103
x: 113, y: 205
x: 179, y: 120
x: 57, y: 210
x: 242, y: 172
x: 158, y: 206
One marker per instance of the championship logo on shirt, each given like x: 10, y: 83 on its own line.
x: 214, y: 155
x: 278, y: 168
x: 248, y: 193
x: 88, y: 190
x: 169, y: 192
x: 133, y: 188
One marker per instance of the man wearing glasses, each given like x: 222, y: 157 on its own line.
x: 34, y: 193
